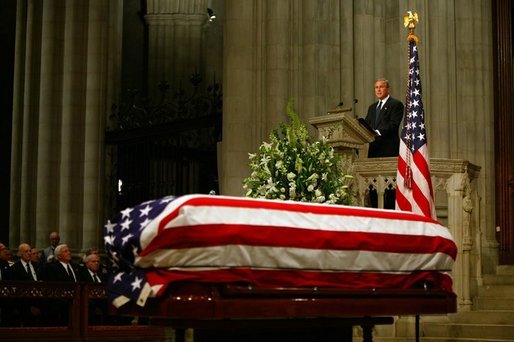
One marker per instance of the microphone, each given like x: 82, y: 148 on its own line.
x: 355, y: 101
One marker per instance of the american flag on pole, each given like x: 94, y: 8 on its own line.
x: 266, y: 243
x: 413, y: 183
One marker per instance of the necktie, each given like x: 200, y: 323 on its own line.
x: 95, y: 279
x: 70, y: 272
x: 377, y: 112
x: 29, y: 272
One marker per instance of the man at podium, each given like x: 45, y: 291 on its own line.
x: 384, y: 116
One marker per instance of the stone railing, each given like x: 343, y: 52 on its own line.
x: 457, y: 205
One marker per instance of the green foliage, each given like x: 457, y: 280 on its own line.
x: 292, y: 166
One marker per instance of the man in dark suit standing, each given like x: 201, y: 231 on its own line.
x: 384, y: 116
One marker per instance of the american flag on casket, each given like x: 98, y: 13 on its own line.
x: 268, y: 243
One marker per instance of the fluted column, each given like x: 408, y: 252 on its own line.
x: 275, y: 67
x: 241, y: 112
x: 26, y: 87
x: 346, y: 59
x: 275, y: 50
x: 67, y: 65
x: 102, y: 84
x: 175, y: 41
x: 321, y: 57
x: 377, y: 49
x: 473, y: 118
x: 48, y: 137
x: 72, y: 120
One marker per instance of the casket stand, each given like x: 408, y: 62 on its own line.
x: 329, y: 313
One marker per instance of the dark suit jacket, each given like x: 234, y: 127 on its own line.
x: 54, y: 271
x: 86, y: 277
x: 5, y: 270
x: 19, y: 272
x: 388, y: 143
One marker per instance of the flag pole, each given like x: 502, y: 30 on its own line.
x: 409, y: 20
x: 414, y: 190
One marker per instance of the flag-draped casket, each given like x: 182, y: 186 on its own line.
x: 270, y: 244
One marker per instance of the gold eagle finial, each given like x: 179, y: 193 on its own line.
x: 409, y: 20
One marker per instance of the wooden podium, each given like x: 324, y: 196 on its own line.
x: 344, y: 132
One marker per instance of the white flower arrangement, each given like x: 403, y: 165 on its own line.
x: 294, y: 167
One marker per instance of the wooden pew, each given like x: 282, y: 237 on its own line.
x: 77, y: 328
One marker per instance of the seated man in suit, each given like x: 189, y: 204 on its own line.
x: 89, y: 273
x: 60, y: 270
x: 4, y: 262
x: 5, y: 274
x: 23, y: 270
x: 103, y: 271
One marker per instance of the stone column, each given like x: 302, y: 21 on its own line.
x: 22, y: 225
x: 174, y: 42
x: 102, y: 86
x: 72, y: 136
x: 67, y: 60
x: 379, y: 49
x: 242, y: 94
x: 275, y: 50
x: 49, y: 111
